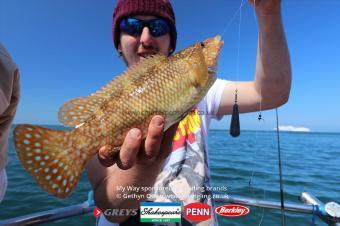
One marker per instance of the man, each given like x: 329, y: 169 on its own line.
x: 9, y: 98
x: 146, y: 27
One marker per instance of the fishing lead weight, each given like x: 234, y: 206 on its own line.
x: 235, y: 122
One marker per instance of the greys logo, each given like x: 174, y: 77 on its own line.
x: 120, y: 212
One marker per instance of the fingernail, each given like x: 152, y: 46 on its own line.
x: 135, y: 133
x: 158, y: 121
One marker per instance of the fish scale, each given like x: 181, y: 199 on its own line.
x: 167, y: 86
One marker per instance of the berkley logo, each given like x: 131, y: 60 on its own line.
x: 232, y: 210
x: 197, y: 211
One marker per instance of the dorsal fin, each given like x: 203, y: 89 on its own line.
x: 78, y: 110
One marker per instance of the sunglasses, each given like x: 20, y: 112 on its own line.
x: 134, y: 27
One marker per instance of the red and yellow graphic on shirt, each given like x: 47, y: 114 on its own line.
x: 186, y: 130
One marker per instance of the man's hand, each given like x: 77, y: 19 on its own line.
x: 157, y: 146
x: 138, y: 163
x: 266, y: 7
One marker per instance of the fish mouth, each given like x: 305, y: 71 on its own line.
x: 211, y: 50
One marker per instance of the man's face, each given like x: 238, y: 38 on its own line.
x: 137, y: 48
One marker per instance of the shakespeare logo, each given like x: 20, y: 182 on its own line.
x: 160, y: 212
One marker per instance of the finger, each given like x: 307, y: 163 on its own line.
x: 166, y: 146
x: 129, y: 149
x: 154, y: 137
x: 107, y: 155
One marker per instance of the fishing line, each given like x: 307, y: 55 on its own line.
x: 262, y: 215
x: 231, y: 20
x: 260, y: 57
x: 250, y: 183
x: 256, y: 134
x: 238, y: 46
x: 283, y: 218
x: 235, y: 126
x: 234, y: 130
x: 260, y: 115
x: 260, y: 118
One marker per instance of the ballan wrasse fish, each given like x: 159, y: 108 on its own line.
x: 167, y: 86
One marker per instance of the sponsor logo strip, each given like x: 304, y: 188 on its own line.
x: 160, y: 212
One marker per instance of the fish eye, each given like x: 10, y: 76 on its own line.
x: 202, y: 44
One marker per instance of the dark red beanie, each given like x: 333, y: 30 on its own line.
x: 158, y: 8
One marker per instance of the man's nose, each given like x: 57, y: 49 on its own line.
x: 146, y: 37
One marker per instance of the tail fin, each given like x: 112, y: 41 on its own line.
x: 49, y: 157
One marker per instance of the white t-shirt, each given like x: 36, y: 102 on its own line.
x: 187, y: 166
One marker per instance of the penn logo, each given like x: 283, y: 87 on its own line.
x: 197, y: 211
x: 232, y: 210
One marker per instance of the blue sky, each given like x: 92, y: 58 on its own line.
x: 64, y: 50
